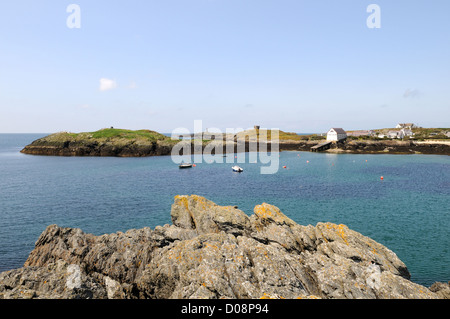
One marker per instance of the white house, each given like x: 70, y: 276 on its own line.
x: 407, y: 132
x: 406, y: 125
x: 399, y: 134
x: 336, y: 134
x: 396, y: 134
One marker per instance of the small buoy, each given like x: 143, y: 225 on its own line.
x: 284, y: 166
x: 382, y: 177
x: 366, y: 161
x: 194, y: 165
x: 307, y: 161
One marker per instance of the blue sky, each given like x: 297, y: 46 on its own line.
x: 301, y: 66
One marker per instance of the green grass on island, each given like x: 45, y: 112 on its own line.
x: 109, y: 135
x: 128, y: 134
x: 124, y: 136
x: 115, y: 134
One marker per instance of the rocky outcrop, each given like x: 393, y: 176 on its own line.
x: 390, y: 147
x: 442, y: 289
x: 212, y: 251
x: 107, y: 148
x: 157, y: 148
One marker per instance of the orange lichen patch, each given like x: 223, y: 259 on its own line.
x: 372, y: 248
x: 308, y: 297
x: 183, y: 200
x: 202, y: 201
x: 272, y: 213
x: 340, y: 229
x: 267, y: 296
x: 208, y: 245
x: 262, y: 212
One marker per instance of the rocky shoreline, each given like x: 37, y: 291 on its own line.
x: 391, y: 147
x: 97, y: 149
x: 212, y: 252
x: 138, y: 148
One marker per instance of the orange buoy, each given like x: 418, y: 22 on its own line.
x: 284, y: 166
x: 382, y: 178
x: 194, y: 165
x: 307, y: 161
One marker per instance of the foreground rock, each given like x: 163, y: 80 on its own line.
x: 212, y: 251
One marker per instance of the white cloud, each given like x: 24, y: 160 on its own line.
x: 107, y: 84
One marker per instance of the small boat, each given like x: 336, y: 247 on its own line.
x: 185, y: 165
x: 237, y: 169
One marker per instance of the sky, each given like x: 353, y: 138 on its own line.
x: 297, y: 65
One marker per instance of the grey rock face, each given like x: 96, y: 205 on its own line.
x: 442, y: 289
x: 212, y: 251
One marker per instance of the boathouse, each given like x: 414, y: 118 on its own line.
x: 336, y: 134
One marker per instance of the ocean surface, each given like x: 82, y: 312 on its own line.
x: 408, y: 211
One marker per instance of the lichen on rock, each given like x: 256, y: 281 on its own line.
x: 213, y: 251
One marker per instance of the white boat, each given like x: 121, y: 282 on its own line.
x: 185, y: 165
x: 237, y: 169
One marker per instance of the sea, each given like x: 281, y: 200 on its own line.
x: 408, y: 210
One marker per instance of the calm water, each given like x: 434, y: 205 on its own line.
x: 408, y: 212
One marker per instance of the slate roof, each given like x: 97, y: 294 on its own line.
x: 339, y: 130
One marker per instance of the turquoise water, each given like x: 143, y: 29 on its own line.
x: 408, y: 211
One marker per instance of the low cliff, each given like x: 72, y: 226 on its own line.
x: 212, y: 251
x: 391, y: 147
x: 106, y: 142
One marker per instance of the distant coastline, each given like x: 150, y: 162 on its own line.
x: 142, y: 143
